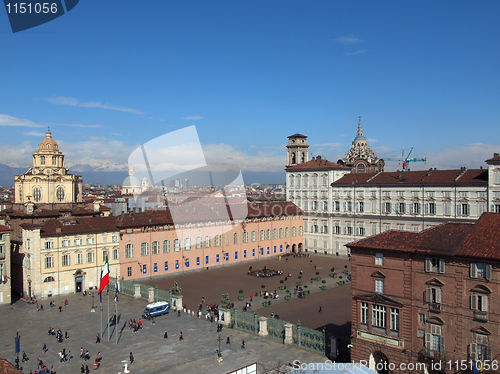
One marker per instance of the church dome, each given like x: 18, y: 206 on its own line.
x: 48, y: 143
x: 131, y: 180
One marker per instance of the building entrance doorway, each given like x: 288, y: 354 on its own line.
x: 78, y: 284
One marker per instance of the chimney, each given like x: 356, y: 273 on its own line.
x: 495, y: 155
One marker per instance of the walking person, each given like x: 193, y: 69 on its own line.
x: 165, y: 336
x: 45, y: 348
x: 320, y: 309
x: 243, y: 344
x: 228, y: 341
x: 98, y: 338
x: 180, y: 336
x: 131, y: 358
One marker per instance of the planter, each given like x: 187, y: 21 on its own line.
x: 318, y: 278
x: 299, y: 283
x: 288, y: 297
x: 306, y: 292
x: 323, y: 288
x: 282, y: 287
x: 265, y: 303
x: 241, y: 298
x: 341, y: 283
x: 332, y: 275
x: 346, y: 271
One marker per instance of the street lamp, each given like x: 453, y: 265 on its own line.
x: 219, y: 353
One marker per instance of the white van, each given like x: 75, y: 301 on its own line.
x: 156, y: 309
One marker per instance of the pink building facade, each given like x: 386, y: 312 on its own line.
x: 152, y: 245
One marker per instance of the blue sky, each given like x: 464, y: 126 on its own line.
x: 110, y: 75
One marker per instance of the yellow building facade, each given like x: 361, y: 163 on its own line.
x: 48, y: 181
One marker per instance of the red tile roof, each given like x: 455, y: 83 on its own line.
x: 7, y: 368
x: 297, y: 136
x: 317, y: 165
x: 83, y: 226
x: 479, y: 240
x: 418, y: 177
x: 494, y: 159
x: 5, y: 228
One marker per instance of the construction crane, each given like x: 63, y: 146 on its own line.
x: 406, y: 160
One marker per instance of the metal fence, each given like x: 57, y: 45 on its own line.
x: 127, y: 288
x: 302, y: 336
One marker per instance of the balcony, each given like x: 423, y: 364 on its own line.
x: 435, y: 307
x: 480, y: 316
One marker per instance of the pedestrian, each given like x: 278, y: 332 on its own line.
x: 179, y: 313
x: 180, y: 336
x: 87, y: 371
x: 82, y: 369
x: 99, y: 357
x: 131, y: 357
x: 45, y: 348
x: 320, y: 309
x: 165, y: 336
x: 66, y: 336
x: 152, y: 320
x: 228, y: 341
x: 243, y: 344
x: 98, y: 338
x: 69, y: 356
x: 60, y: 308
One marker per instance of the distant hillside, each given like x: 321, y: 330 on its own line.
x: 7, y: 174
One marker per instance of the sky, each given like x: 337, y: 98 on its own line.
x: 111, y: 75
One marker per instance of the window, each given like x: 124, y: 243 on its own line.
x: 207, y: 241
x: 114, y: 238
x: 60, y: 194
x: 104, y: 239
x: 364, y: 315
x: 401, y: 208
x: 116, y: 254
x: 379, y: 285
x: 360, y: 207
x: 166, y: 246
x: 218, y: 240
x: 480, y: 350
x: 226, y: 239
x: 177, y: 246
x: 349, y: 229
x: 268, y: 234
x: 347, y: 206
x: 374, y: 228
x: 245, y: 237
x: 49, y: 244
x: 281, y: 232
x: 337, y: 206
x: 479, y: 270
x: 379, y: 313
x: 387, y: 226
x: 105, y: 255
x: 198, y: 242
x: 42, y: 160
x: 90, y: 241
x: 387, y: 207
x: 433, y: 340
x: 401, y: 193
x: 129, y: 250
x: 275, y: 233
x: 479, y: 303
x: 66, y: 242
x: 379, y: 259
x: 262, y: 235
x: 235, y: 238
x: 301, y: 230
x: 395, y: 321
x: 187, y: 244
x: 54, y: 160
x: 374, y: 207
x: 254, y: 236
x: 430, y: 208
x: 287, y: 232
x: 415, y: 208
x: 325, y: 205
x: 361, y: 229
x: 144, y: 269
x: 49, y: 262
x: 79, y: 259
x: 155, y: 247
x: 90, y: 257
x: 434, y: 265
x: 66, y: 260
x: 337, y: 228
x: 433, y: 297
x: 144, y: 249
x: 129, y: 271
x: 495, y: 208
x: 463, y: 209
x: 49, y: 279
x: 447, y: 209
x: 421, y: 317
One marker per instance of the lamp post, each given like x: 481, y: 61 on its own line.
x: 219, y: 353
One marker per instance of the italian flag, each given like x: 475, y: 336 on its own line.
x: 104, y: 277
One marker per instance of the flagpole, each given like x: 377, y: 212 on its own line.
x: 108, y: 309
x: 116, y: 309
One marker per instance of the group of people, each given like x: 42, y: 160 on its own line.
x: 59, y: 335
x: 135, y: 325
x: 42, y: 368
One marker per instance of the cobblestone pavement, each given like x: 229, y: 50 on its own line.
x: 197, y: 352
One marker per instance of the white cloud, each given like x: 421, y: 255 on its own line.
x: 372, y: 140
x: 225, y: 153
x: 61, y: 100
x: 348, y: 39
x: 470, y: 155
x: 6, y: 120
x: 34, y: 133
x: 75, y: 125
x: 358, y: 52
x: 192, y: 117
x: 329, y: 145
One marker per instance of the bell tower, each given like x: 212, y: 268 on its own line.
x: 297, y: 150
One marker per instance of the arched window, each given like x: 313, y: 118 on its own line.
x: 303, y: 158
x: 293, y: 158
x: 37, y: 194
x: 42, y: 160
x: 60, y: 194
x: 54, y: 160
x: 361, y: 168
x: 49, y: 279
